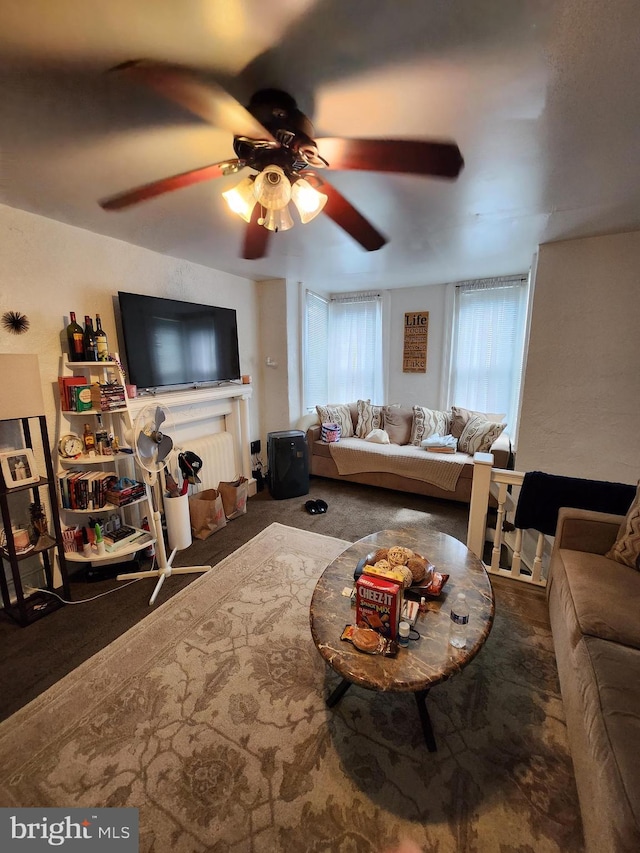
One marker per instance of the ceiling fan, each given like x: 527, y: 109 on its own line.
x: 274, y: 139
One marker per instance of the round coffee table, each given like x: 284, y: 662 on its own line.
x: 428, y: 660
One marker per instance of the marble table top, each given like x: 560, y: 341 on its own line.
x: 428, y: 660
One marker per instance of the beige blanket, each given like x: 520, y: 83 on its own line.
x: 357, y: 456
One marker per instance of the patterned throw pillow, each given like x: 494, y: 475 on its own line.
x: 626, y: 548
x: 460, y: 418
x: 398, y: 423
x: 478, y: 435
x: 337, y: 414
x: 428, y: 422
x: 369, y: 418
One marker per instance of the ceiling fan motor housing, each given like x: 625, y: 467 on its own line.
x: 279, y: 114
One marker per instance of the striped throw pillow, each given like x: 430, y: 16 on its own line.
x: 428, y: 422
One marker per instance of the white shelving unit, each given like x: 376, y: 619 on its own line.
x: 119, y: 423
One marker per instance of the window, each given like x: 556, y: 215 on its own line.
x: 488, y: 342
x: 343, y: 351
x: 316, y: 347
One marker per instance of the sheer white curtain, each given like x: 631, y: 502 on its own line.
x: 488, y: 340
x: 355, y: 348
x: 316, y: 347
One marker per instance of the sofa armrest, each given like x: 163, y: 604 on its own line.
x: 501, y: 449
x: 586, y: 530
x: 313, y: 434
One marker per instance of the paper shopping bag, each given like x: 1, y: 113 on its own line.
x: 234, y: 497
x: 206, y: 512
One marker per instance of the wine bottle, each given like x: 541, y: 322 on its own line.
x: 101, y: 341
x: 75, y: 338
x: 89, y: 339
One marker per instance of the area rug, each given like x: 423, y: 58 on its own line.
x: 210, y: 717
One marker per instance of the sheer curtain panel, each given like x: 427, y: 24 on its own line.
x: 488, y: 340
x: 355, y: 348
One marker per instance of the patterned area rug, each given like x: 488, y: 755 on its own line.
x: 209, y: 716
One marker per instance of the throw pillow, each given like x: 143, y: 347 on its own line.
x: 428, y: 422
x: 337, y: 414
x: 460, y: 418
x: 369, y: 418
x: 478, y: 435
x: 397, y: 423
x: 626, y: 548
x: 377, y: 436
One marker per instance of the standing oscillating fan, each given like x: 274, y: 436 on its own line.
x: 152, y: 447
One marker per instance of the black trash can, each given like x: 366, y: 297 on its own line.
x: 288, y: 461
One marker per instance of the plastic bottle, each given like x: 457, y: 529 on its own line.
x: 403, y: 634
x: 459, y: 622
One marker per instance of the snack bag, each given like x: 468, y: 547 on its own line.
x: 378, y: 605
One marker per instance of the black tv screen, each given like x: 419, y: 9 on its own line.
x: 169, y: 342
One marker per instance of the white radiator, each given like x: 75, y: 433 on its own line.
x: 218, y: 459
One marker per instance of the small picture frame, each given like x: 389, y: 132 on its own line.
x: 19, y: 467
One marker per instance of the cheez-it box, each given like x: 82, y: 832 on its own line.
x: 378, y: 605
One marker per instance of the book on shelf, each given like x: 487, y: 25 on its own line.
x: 139, y: 537
x: 65, y: 386
x: 126, y: 496
x: 80, y: 489
x: 107, y: 397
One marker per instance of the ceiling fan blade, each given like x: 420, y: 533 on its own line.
x: 347, y: 217
x: 256, y: 237
x: 207, y: 100
x: 167, y: 185
x: 440, y: 159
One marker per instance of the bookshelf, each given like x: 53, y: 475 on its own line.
x: 98, y: 484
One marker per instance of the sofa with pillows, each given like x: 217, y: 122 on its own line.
x: 411, y: 449
x: 593, y: 590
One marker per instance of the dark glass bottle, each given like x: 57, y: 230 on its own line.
x: 90, y: 344
x: 75, y: 339
x: 101, y: 341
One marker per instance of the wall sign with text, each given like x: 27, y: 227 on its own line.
x: 416, y: 337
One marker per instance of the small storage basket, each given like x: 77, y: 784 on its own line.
x: 330, y: 433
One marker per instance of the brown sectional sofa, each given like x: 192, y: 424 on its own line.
x: 593, y: 607
x: 321, y: 464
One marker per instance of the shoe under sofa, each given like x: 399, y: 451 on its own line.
x: 400, y: 425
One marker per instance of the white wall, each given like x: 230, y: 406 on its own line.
x: 581, y: 395
x: 274, y: 383
x: 421, y: 389
x: 49, y: 269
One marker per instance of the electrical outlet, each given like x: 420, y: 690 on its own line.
x: 255, y: 446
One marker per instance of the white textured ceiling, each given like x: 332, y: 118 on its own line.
x: 542, y: 97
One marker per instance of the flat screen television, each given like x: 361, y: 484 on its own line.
x: 170, y: 343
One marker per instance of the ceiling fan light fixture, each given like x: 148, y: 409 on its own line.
x: 272, y: 188
x: 307, y: 200
x: 277, y: 220
x: 241, y: 198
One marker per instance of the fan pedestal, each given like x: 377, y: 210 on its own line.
x: 152, y: 448
x: 164, y: 565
